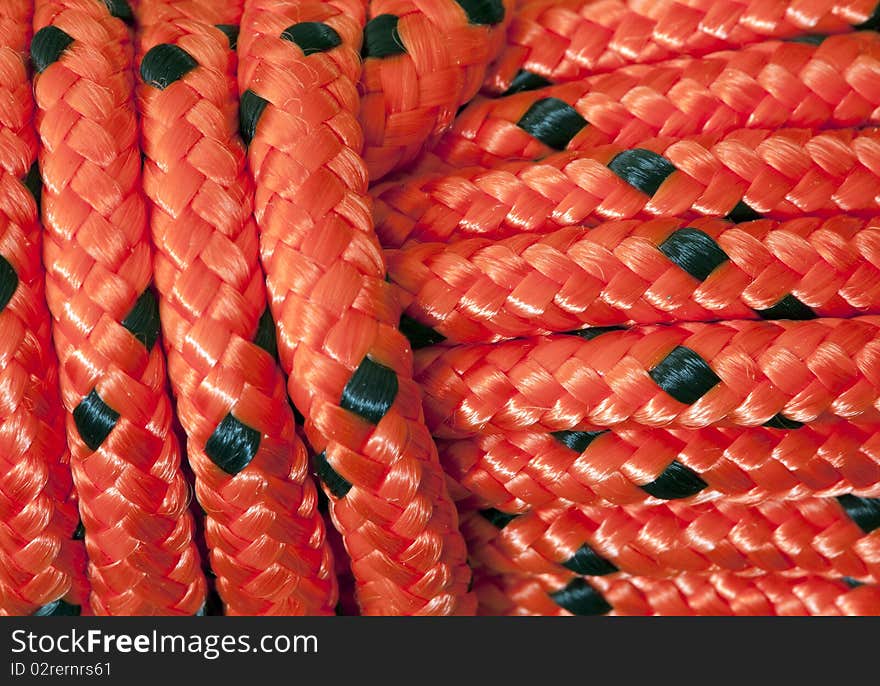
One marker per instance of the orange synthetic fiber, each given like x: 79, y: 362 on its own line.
x: 478, y: 290
x: 266, y: 537
x: 765, y: 86
x: 722, y: 593
x: 132, y: 495
x: 518, y: 471
x: 781, y: 174
x: 572, y: 39
x: 409, y: 99
x: 810, y: 536
x: 350, y: 368
x: 746, y: 373
x: 39, y: 560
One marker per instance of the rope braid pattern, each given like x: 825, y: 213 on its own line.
x: 40, y: 563
x: 723, y: 593
x: 823, y: 536
x: 686, y: 375
x: 126, y: 460
x: 662, y: 270
x: 423, y: 59
x: 743, y: 175
x: 765, y: 86
x: 570, y: 40
x: 350, y: 369
x: 518, y: 471
x: 267, y: 539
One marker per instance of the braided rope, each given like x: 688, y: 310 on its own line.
x: 569, y: 40
x: 125, y: 458
x: 266, y: 537
x: 723, y: 593
x: 40, y: 563
x: 423, y: 59
x: 350, y: 368
x: 518, y: 471
x: 764, y: 86
x: 687, y: 375
x: 663, y: 270
x: 742, y: 175
x: 823, y: 536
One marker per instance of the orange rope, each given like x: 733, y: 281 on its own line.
x: 824, y: 536
x: 423, y: 59
x: 40, y: 563
x: 722, y: 593
x: 569, y: 40
x: 517, y: 471
x: 765, y: 86
x: 267, y: 540
x: 687, y: 375
x: 125, y: 459
x: 350, y: 368
x: 742, y: 175
x: 662, y: 270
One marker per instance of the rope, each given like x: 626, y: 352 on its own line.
x: 350, y: 369
x: 266, y: 538
x: 686, y: 375
x: 126, y: 462
x: 570, y: 40
x: 765, y: 86
x: 40, y: 563
x: 649, y: 272
x: 723, y: 594
x: 824, y: 536
x: 518, y: 471
x: 742, y: 175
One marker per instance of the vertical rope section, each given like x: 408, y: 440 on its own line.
x: 555, y: 42
x: 266, y: 537
x: 350, y: 368
x: 41, y: 566
x: 125, y: 457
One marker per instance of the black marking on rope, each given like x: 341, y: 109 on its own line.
x: 684, y: 375
x: 164, y: 64
x: 231, y: 33
x: 335, y: 483
x: 47, y: 46
x: 497, y: 518
x: 676, y: 481
x: 80, y: 532
x: 312, y: 36
x: 642, y: 169
x: 863, y: 511
x: 233, y: 445
x: 587, y: 562
x: 694, y: 251
x: 265, y: 337
x: 34, y: 183
x: 8, y: 282
x: 483, y: 12
x: 370, y: 391
x: 787, y: 308
x: 553, y: 122
x: 381, y: 38
x: 121, y: 10
x: 578, y: 441
x: 581, y: 599
x: 250, y: 108
x: 526, y: 81
x: 852, y: 583
x: 94, y: 420
x: 593, y: 332
x: 780, y: 421
x: 743, y: 213
x: 419, y: 335
x: 58, y: 608
x: 143, y: 320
